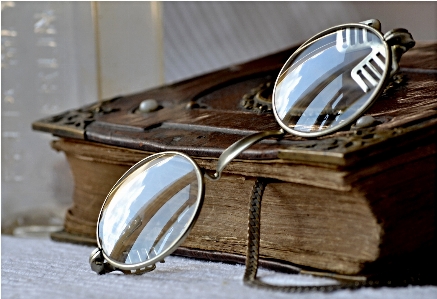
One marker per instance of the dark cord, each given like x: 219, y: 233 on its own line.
x: 252, y: 255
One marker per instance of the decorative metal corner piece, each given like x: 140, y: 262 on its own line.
x: 347, y: 148
x: 259, y: 99
x: 73, y: 123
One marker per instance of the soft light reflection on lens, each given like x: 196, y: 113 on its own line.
x: 150, y: 209
x: 330, y: 80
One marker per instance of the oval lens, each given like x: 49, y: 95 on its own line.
x: 150, y: 210
x: 330, y: 81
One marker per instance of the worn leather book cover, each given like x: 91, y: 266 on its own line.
x: 350, y: 202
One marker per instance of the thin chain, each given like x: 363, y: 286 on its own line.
x: 252, y: 255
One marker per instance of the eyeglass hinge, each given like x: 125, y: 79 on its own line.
x: 98, y: 265
x: 400, y: 41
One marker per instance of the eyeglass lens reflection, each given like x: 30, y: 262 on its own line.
x: 330, y: 80
x: 149, y: 210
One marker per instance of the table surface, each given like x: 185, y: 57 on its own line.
x: 41, y: 268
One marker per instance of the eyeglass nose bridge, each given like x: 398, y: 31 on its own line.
x: 236, y: 148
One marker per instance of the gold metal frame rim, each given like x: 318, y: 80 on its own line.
x: 179, y: 241
x: 376, y: 93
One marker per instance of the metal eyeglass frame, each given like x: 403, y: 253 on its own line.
x: 396, y: 42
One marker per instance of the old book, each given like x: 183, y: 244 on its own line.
x: 351, y: 202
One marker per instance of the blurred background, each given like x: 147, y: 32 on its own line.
x: 57, y: 56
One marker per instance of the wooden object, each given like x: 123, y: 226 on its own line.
x: 349, y: 202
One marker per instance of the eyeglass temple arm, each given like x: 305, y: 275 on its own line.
x: 235, y: 149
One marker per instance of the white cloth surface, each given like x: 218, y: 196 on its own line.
x: 41, y: 268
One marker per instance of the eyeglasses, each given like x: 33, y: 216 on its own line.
x: 153, y: 206
x: 325, y: 85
